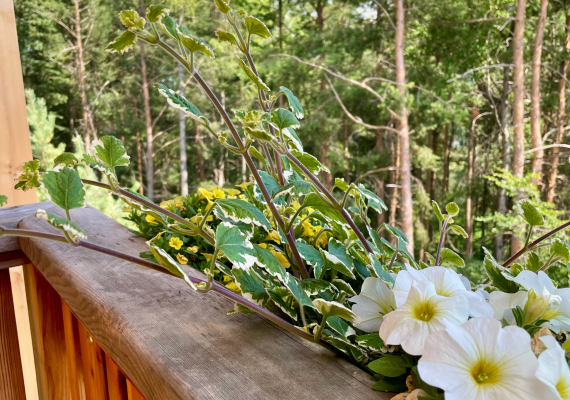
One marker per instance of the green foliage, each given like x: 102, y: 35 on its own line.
x: 74, y: 232
x: 3, y: 200
x: 30, y: 177
x: 64, y: 188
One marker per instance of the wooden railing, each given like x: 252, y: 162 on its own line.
x: 107, y: 329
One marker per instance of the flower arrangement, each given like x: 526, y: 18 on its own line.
x: 286, y: 247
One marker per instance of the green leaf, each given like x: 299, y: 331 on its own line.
x: 314, y: 200
x: 533, y: 262
x: 271, y: 185
x: 338, y: 252
x: 389, y: 386
x: 156, y: 12
x: 293, y: 102
x: 64, y: 188
x: 341, y: 327
x: 236, y: 246
x: 223, y: 6
x: 30, y: 176
x: 343, y: 287
x: 3, y: 199
x: 332, y: 308
x: 404, y: 250
x: 297, y: 188
x: 251, y: 75
x: 529, y: 213
x: 389, y: 365
x: 372, y: 341
x: 256, y: 27
x: 314, y: 287
x: 110, y: 151
x: 374, y: 201
x: 143, y: 208
x: 74, y: 232
x: 292, y: 139
x: 452, y: 209
x: 310, y: 162
x: 559, y: 249
x: 123, y: 43
x: 311, y: 255
x: 132, y: 20
x: 282, y: 119
x: 449, y: 257
x: 65, y: 159
x: 378, y: 269
x: 259, y: 134
x: 495, y: 273
x: 227, y: 37
x: 266, y: 260
x: 193, y: 44
x: 341, y: 184
x: 242, y: 211
x: 392, y: 230
x: 437, y: 210
x: 252, y: 285
x: 181, y: 103
x: 456, y: 229
x: 375, y: 238
x: 169, y: 26
x: 254, y: 152
x: 164, y: 259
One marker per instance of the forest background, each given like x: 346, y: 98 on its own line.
x: 419, y: 100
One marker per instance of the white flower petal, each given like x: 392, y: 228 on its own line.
x: 500, y: 302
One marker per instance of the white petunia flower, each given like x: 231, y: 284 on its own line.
x: 423, y: 313
x: 553, y: 370
x: 374, y: 301
x: 448, y: 283
x: 481, y: 361
x: 502, y: 302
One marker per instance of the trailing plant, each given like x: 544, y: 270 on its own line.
x: 288, y: 248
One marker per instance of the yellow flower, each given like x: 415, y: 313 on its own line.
x: 150, y: 219
x: 242, y: 197
x: 208, y: 256
x: 196, y: 219
x: 295, y: 204
x: 273, y: 235
x: 233, y: 287
x: 175, y: 243
x: 244, y: 185
x: 232, y: 192
x: 219, y: 194
x: 281, y: 257
x: 263, y: 245
x: 323, y: 240
x: 205, y: 194
x: 308, y: 229
x: 226, y: 279
x: 193, y: 249
x: 181, y: 259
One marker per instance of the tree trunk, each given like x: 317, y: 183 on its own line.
x: 518, y: 105
x: 148, y: 121
x: 182, y: 128
x: 394, y: 179
x: 198, y: 139
x: 280, y: 24
x: 472, y: 143
x: 504, y: 117
x: 446, y: 150
x: 536, y: 136
x: 345, y: 150
x: 406, y: 210
x: 88, y: 126
x: 560, y: 121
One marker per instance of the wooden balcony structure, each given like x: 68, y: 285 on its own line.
x: 108, y: 329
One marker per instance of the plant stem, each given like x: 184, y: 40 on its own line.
x: 441, y: 236
x: 319, y: 332
x: 159, y: 209
x: 535, y: 243
x: 394, y: 256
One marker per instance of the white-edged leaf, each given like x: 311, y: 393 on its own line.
x: 315, y: 287
x: 123, y: 43
x: 374, y: 201
x: 259, y: 134
x: 181, y: 103
x: 338, y: 250
x: 256, y: 27
x: 164, y: 259
x: 296, y: 187
x: 155, y: 12
x: 456, y: 229
x: 30, y: 176
x: 242, y: 211
x: 332, y: 308
x: 170, y: 27
x: 282, y: 119
x: 437, y: 210
x: 110, y: 151
x: 378, y: 270
x: 310, y: 162
x: 236, y: 246
x: 333, y: 262
x: 223, y: 6
x: 64, y: 188
x: 449, y: 257
x: 293, y: 139
x: 452, y: 209
x: 193, y: 44
x: 226, y: 37
x: 341, y: 184
x: 251, y: 75
x: 66, y: 160
x: 293, y: 102
x: 132, y: 20
x: 75, y: 233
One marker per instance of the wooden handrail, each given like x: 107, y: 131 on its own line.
x: 173, y: 343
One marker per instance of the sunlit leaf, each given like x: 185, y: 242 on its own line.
x: 251, y: 75
x: 65, y: 159
x: 169, y: 26
x: 456, y: 229
x: 529, y: 213
x: 239, y: 210
x: 193, y: 44
x: 236, y: 246
x: 374, y: 201
x: 256, y: 27
x: 259, y: 134
x: 123, y: 43
x: 452, y: 209
x: 309, y: 161
x: 293, y: 102
x: 227, y: 37
x: 282, y: 119
x: 332, y: 308
x: 164, y: 259
x: 314, y: 200
x: 132, y: 20
x: 64, y: 188
x: 156, y: 12
x: 449, y: 257
x: 296, y: 187
x: 181, y: 103
x: 73, y: 230
x: 437, y: 210
x: 110, y: 151
x: 559, y: 249
x: 223, y: 6
x: 30, y: 176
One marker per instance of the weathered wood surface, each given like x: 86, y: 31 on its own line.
x: 173, y: 343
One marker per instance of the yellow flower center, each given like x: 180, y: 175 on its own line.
x: 563, y: 388
x: 485, y: 372
x: 424, y: 311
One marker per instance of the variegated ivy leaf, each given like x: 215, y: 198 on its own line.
x: 560, y: 249
x: 169, y: 26
x: 437, y: 210
x: 343, y: 286
x: 132, y: 20
x: 66, y: 160
x: 236, y: 246
x: 3, y: 200
x: 251, y: 75
x: 110, y: 151
x: 456, y: 229
x: 296, y: 187
x: 30, y: 176
x: 267, y: 261
x: 313, y: 200
x: 166, y: 260
x: 242, y: 211
x: 64, y: 188
x: 452, y: 209
x: 374, y: 201
x: 123, y: 43
x: 332, y: 308
x: 181, y: 103
x: 293, y: 102
x: 529, y: 213
x: 293, y: 139
x: 338, y: 258
x: 227, y: 37
x: 310, y: 162
x: 280, y: 297
x: 223, y: 6
x: 341, y: 184
x: 254, y: 152
x: 449, y: 257
x: 155, y: 12
x: 282, y: 119
x: 252, y: 287
x: 193, y: 44
x: 256, y: 27
x: 314, y: 287
x: 259, y: 134
x: 311, y: 255
x: 392, y: 230
x: 378, y: 270
x: 75, y: 233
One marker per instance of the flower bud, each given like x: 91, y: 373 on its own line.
x: 536, y: 305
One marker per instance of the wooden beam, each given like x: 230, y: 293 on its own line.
x: 70, y: 351
x: 14, y: 132
x: 93, y: 366
x: 10, y: 217
x: 116, y: 381
x: 133, y: 392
